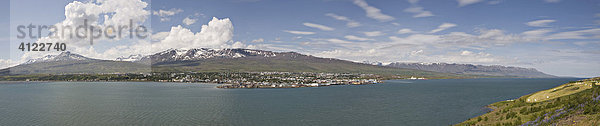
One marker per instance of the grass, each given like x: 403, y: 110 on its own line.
x: 570, y: 104
x: 562, y: 90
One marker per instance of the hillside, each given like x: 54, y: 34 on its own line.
x: 471, y: 69
x: 70, y: 63
x: 576, y: 107
x: 244, y: 60
x: 209, y: 60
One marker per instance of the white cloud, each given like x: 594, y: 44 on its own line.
x: 339, y: 41
x: 166, y: 14
x: 353, y: 55
x: 536, y: 34
x: 539, y: 23
x: 462, y: 3
x: 373, y: 12
x: 593, y: 33
x: 405, y: 31
x: 597, y: 15
x: 551, y: 1
x: 352, y: 37
x: 318, y: 26
x: 189, y: 21
x: 417, y: 52
x: 466, y: 56
x: 419, y: 12
x: 258, y: 40
x: 299, y: 32
x: 485, y: 38
x: 114, y: 13
x: 374, y: 33
x: 218, y: 33
x: 350, y: 23
x: 442, y: 27
x: 417, y: 39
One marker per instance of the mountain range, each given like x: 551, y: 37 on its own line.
x: 493, y: 70
x: 238, y: 60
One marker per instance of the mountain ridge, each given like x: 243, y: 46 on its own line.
x: 213, y: 60
x: 489, y: 70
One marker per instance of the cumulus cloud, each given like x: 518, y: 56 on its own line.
x: 299, y: 32
x: 373, y: 12
x: 189, y: 21
x: 373, y: 33
x: 405, y: 31
x: 442, y: 27
x: 218, y: 33
x: 352, y: 37
x: 350, y: 23
x: 318, y: 26
x: 114, y: 13
x: 462, y: 3
x: 165, y: 15
x: 539, y: 23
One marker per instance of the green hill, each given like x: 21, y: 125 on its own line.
x: 575, y: 107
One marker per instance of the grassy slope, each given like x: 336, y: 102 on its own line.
x: 563, y: 90
x: 577, y: 108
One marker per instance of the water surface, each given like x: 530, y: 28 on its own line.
x: 395, y: 102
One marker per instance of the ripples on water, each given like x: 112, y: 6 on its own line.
x: 396, y: 102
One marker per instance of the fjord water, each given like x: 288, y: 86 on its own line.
x: 395, y: 102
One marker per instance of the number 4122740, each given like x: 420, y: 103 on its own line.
x: 42, y: 46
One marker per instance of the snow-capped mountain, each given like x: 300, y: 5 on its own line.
x: 130, y: 58
x: 64, y: 56
x: 204, y: 53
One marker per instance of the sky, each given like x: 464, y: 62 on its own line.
x: 558, y: 37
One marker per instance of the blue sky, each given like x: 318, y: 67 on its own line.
x: 558, y: 37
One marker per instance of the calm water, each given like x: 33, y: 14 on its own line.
x: 396, y: 102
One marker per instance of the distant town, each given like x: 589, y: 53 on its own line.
x: 225, y: 79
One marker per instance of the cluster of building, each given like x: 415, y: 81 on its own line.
x: 271, y: 79
x: 416, y: 78
x: 297, y: 85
